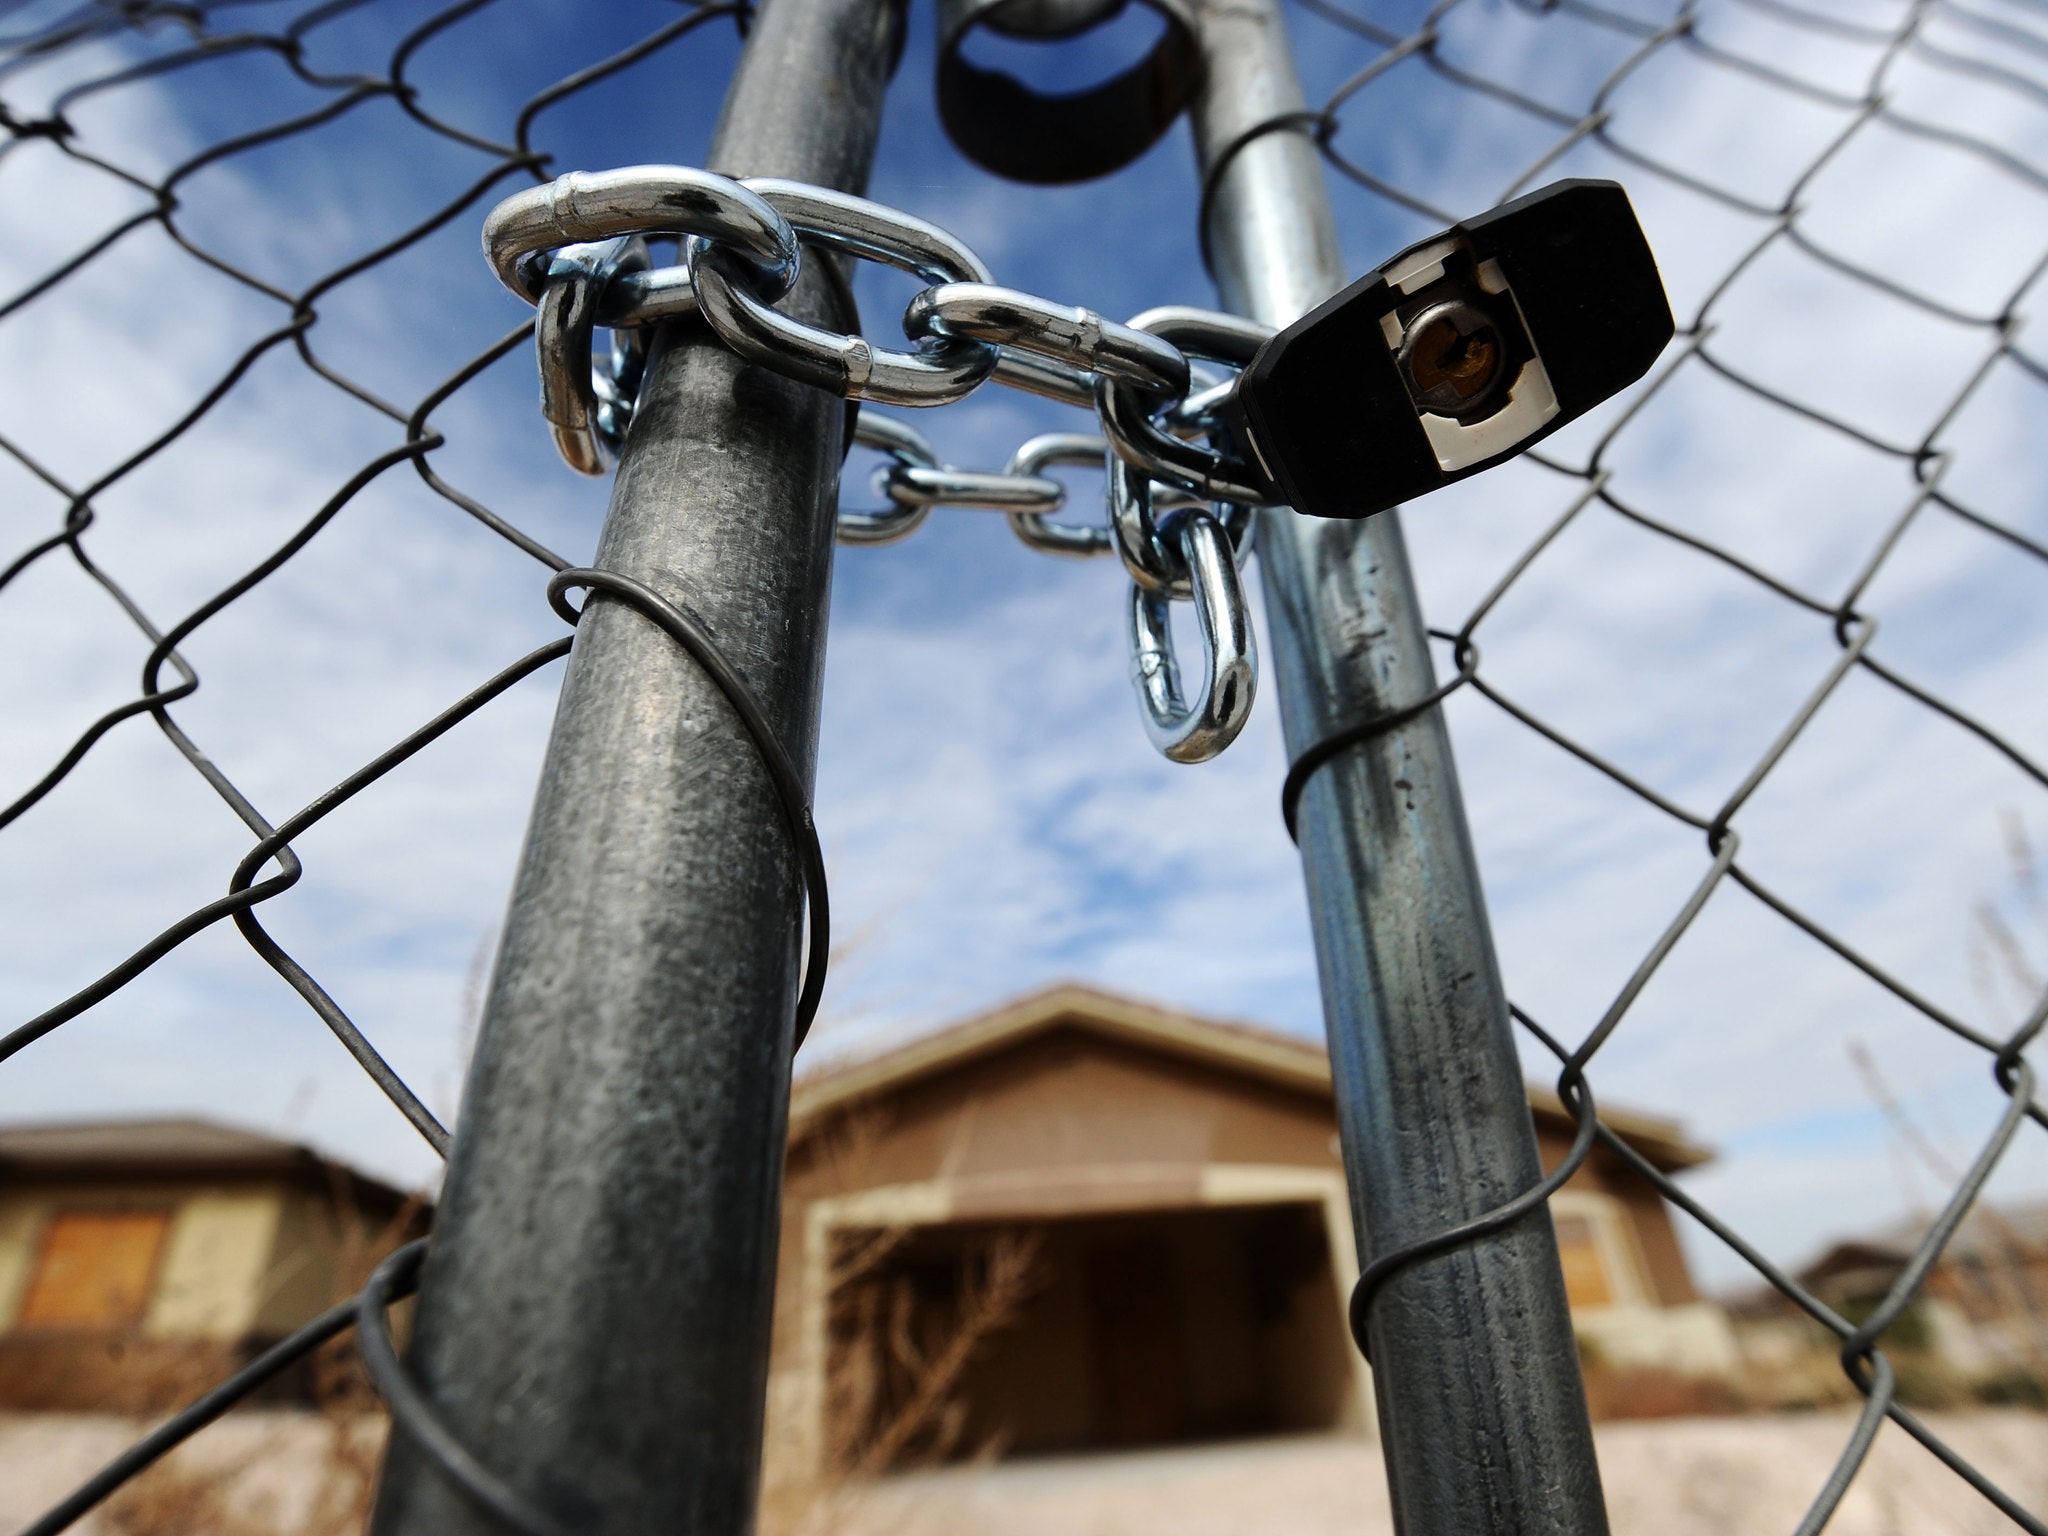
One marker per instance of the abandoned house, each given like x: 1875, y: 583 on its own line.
x: 1076, y: 1222
x: 1082, y: 1221
x: 141, y: 1261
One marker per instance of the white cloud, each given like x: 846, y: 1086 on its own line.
x: 993, y: 815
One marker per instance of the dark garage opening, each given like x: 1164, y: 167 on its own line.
x: 1123, y: 1331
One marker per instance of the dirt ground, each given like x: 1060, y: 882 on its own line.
x: 1688, y: 1477
x: 275, y: 1456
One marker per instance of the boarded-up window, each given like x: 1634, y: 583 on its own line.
x: 1586, y: 1281
x: 95, y: 1270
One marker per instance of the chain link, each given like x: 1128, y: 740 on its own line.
x: 1078, y: 337
x: 1039, y: 531
x: 934, y: 371
x: 587, y: 406
x: 908, y: 449
x: 1195, y: 730
x: 916, y: 481
x: 1178, y: 495
x: 638, y: 200
x: 1129, y: 417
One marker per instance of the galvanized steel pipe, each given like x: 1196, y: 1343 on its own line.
x: 1482, y: 1412
x: 594, y: 1315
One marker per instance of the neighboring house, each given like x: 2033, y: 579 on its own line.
x: 1981, y: 1314
x: 1179, y: 1184
x: 142, y: 1260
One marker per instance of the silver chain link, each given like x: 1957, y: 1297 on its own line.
x: 1179, y: 496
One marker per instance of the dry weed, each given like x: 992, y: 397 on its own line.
x: 893, y: 1387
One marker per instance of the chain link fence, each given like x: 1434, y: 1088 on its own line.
x: 220, y: 249
x: 1587, y: 96
x: 1844, y: 434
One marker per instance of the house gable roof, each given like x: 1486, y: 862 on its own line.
x: 1993, y: 1233
x: 1243, y: 1049
x: 168, y: 1148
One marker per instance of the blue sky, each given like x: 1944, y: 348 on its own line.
x: 992, y: 814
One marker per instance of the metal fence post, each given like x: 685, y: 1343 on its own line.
x: 594, y: 1317
x: 1482, y: 1411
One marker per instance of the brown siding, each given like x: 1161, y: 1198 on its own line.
x: 1054, y: 1106
x: 1651, y: 1217
x: 1604, y: 1173
x: 1066, y: 1098
x: 1064, y: 1101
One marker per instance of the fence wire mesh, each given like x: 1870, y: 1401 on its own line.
x: 88, y: 56
x: 1857, y: 77
x: 1835, y: 477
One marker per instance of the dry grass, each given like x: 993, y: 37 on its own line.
x: 897, y: 1362
x: 923, y: 1419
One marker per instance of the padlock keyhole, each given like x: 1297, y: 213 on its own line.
x: 1454, y: 359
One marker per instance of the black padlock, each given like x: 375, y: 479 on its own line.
x: 1460, y: 352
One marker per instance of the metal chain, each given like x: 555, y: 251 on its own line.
x: 1178, y: 495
